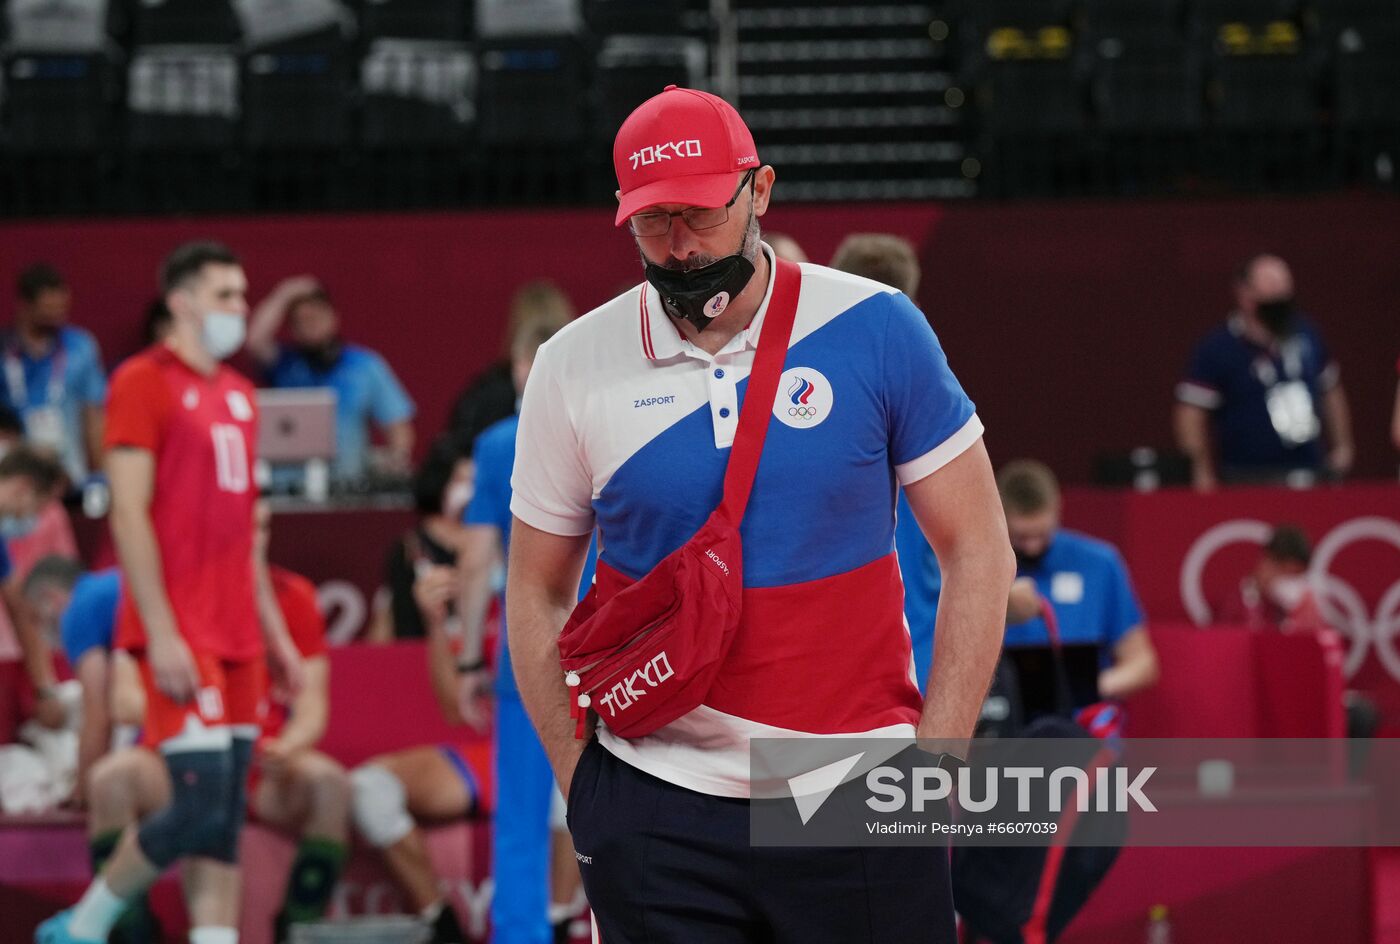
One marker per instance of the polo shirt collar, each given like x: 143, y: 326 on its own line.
x: 661, y: 340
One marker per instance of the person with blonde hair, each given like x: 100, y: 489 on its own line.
x: 491, y: 396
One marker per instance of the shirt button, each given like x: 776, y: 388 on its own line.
x: 724, y: 412
x: 719, y: 373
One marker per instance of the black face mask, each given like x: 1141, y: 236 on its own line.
x: 1026, y: 561
x: 1278, y: 316
x: 701, y: 295
x: 322, y: 357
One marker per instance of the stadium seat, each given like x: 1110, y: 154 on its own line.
x: 1034, y: 96
x: 59, y: 102
x: 1141, y: 16
x: 443, y: 20
x: 182, y: 97
x: 202, y: 22
x: 1368, y: 76
x: 532, y: 92
x: 1212, y: 14
x: 1144, y: 82
x: 634, y: 16
x: 417, y: 93
x: 1263, y: 92
x: 265, y: 23
x: 631, y: 69
x: 985, y: 27
x: 296, y: 94
x: 1333, y: 17
x: 505, y: 19
x: 78, y: 26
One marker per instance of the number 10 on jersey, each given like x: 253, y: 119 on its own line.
x: 230, y: 458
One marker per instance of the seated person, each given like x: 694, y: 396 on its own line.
x: 1278, y: 595
x: 294, y: 787
x: 368, y: 394
x: 441, y: 489
x: 1084, y: 580
x: 29, y: 481
x: 394, y: 793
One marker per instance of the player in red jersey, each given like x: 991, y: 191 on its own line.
x: 179, y: 438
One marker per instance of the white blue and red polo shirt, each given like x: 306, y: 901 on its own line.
x: 627, y: 426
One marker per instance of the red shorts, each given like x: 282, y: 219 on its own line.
x: 230, y: 696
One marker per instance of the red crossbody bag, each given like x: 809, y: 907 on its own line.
x: 650, y: 653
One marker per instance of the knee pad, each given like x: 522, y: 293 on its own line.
x: 200, y: 819
x: 380, y: 806
x: 226, y: 847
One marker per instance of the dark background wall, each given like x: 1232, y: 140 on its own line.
x: 1069, y: 323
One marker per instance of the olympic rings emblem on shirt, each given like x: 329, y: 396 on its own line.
x: 804, y: 399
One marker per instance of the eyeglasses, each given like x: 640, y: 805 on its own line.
x: 697, y: 218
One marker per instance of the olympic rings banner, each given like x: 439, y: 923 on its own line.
x: 1188, y: 553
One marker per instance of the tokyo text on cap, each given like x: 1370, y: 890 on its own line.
x: 682, y: 146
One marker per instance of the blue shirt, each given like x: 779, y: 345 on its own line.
x: 366, y: 392
x: 91, y: 617
x: 31, y: 388
x: 1088, y: 586
x: 5, y: 565
x: 494, y: 455
x: 1232, y: 376
x: 923, y: 582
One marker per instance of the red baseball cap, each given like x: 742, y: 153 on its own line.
x: 682, y: 146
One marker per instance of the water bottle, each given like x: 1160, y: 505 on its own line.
x: 1159, y: 929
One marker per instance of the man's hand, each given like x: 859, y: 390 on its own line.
x: 433, y: 590
x: 473, y: 697
x: 173, y: 666
x: 297, y: 286
x: 284, y: 661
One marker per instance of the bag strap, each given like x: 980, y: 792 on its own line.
x: 1064, y: 698
x: 757, y: 410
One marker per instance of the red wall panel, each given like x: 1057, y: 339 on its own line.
x: 1068, y: 322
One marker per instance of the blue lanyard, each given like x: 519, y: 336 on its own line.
x: 14, y: 374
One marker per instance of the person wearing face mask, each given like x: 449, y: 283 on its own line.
x: 631, y: 426
x: 1278, y: 595
x: 1262, y: 401
x: 368, y: 394
x: 29, y: 483
x: 54, y: 377
x: 31, y: 537
x: 1084, y: 580
x: 179, y: 446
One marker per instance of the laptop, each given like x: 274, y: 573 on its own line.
x: 296, y: 425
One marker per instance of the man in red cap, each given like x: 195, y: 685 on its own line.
x: 626, y: 427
